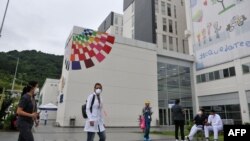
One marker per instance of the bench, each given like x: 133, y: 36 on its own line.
x: 200, y: 135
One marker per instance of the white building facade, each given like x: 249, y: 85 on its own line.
x: 49, y: 94
x: 128, y: 75
x: 219, y: 40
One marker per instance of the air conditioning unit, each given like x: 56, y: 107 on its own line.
x: 187, y: 33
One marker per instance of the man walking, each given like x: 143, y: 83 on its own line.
x: 179, y: 119
x: 147, y: 113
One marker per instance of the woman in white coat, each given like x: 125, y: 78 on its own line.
x: 95, y: 122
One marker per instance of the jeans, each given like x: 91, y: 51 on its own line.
x: 179, y: 124
x: 147, y: 130
x: 25, y: 131
x: 91, y: 135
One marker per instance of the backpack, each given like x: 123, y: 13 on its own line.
x: 84, y: 107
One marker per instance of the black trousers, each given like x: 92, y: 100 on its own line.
x: 25, y: 131
x: 179, y: 124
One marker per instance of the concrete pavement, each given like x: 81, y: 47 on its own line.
x: 51, y: 133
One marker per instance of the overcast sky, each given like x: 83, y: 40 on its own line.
x: 44, y: 25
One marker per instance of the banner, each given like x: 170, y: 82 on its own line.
x: 221, y: 31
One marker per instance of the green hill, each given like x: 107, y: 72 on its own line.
x: 33, y: 65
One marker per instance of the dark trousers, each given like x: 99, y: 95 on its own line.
x: 25, y: 131
x: 179, y: 124
x: 91, y: 136
x: 45, y: 122
x: 147, y: 130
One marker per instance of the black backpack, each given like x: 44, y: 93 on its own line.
x: 84, y: 107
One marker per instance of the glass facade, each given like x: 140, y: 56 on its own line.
x: 173, y: 83
x: 227, y: 112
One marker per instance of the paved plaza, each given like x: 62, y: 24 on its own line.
x: 51, y: 133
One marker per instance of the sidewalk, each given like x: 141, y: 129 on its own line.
x: 51, y: 133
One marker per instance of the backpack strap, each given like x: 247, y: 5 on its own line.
x: 92, y: 102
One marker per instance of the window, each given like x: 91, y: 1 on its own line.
x: 169, y: 9
x: 170, y: 26
x: 176, y: 27
x: 182, y: 3
x: 175, y: 12
x: 171, y: 43
x: 163, y: 8
x: 198, y: 78
x: 246, y: 68
x: 177, y: 44
x: 156, y: 6
x: 232, y: 71
x: 216, y: 75
x: 164, y: 40
x: 226, y: 73
x: 203, y: 78
x: 211, y: 76
x: 164, y: 24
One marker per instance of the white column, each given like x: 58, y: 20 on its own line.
x: 242, y: 91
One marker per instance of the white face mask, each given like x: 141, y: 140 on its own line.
x: 199, y: 113
x: 98, y: 91
x: 36, y: 91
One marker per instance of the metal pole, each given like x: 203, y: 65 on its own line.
x: 1, y: 28
x: 15, y: 75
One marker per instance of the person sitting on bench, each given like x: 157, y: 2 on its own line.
x: 214, y: 124
x: 199, y: 121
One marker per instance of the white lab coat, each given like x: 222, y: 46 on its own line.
x: 96, y: 115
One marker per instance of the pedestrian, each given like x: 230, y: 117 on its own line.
x: 179, y: 119
x: 46, y: 115
x: 199, y: 121
x: 27, y: 112
x: 214, y: 124
x: 95, y: 121
x: 147, y: 113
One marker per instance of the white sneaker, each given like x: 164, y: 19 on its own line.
x: 176, y: 140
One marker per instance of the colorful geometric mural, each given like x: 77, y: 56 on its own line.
x: 86, y: 46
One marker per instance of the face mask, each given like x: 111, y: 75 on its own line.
x: 36, y: 91
x: 199, y: 113
x: 98, y: 91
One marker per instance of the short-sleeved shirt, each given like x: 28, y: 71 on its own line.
x: 28, y: 106
x: 200, y: 120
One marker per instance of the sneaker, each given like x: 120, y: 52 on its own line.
x: 207, y: 139
x: 176, y: 140
x: 187, y: 138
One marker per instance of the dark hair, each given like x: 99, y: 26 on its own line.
x: 212, y: 111
x: 28, y: 88
x: 203, y: 110
x: 98, y: 84
x: 177, y: 101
